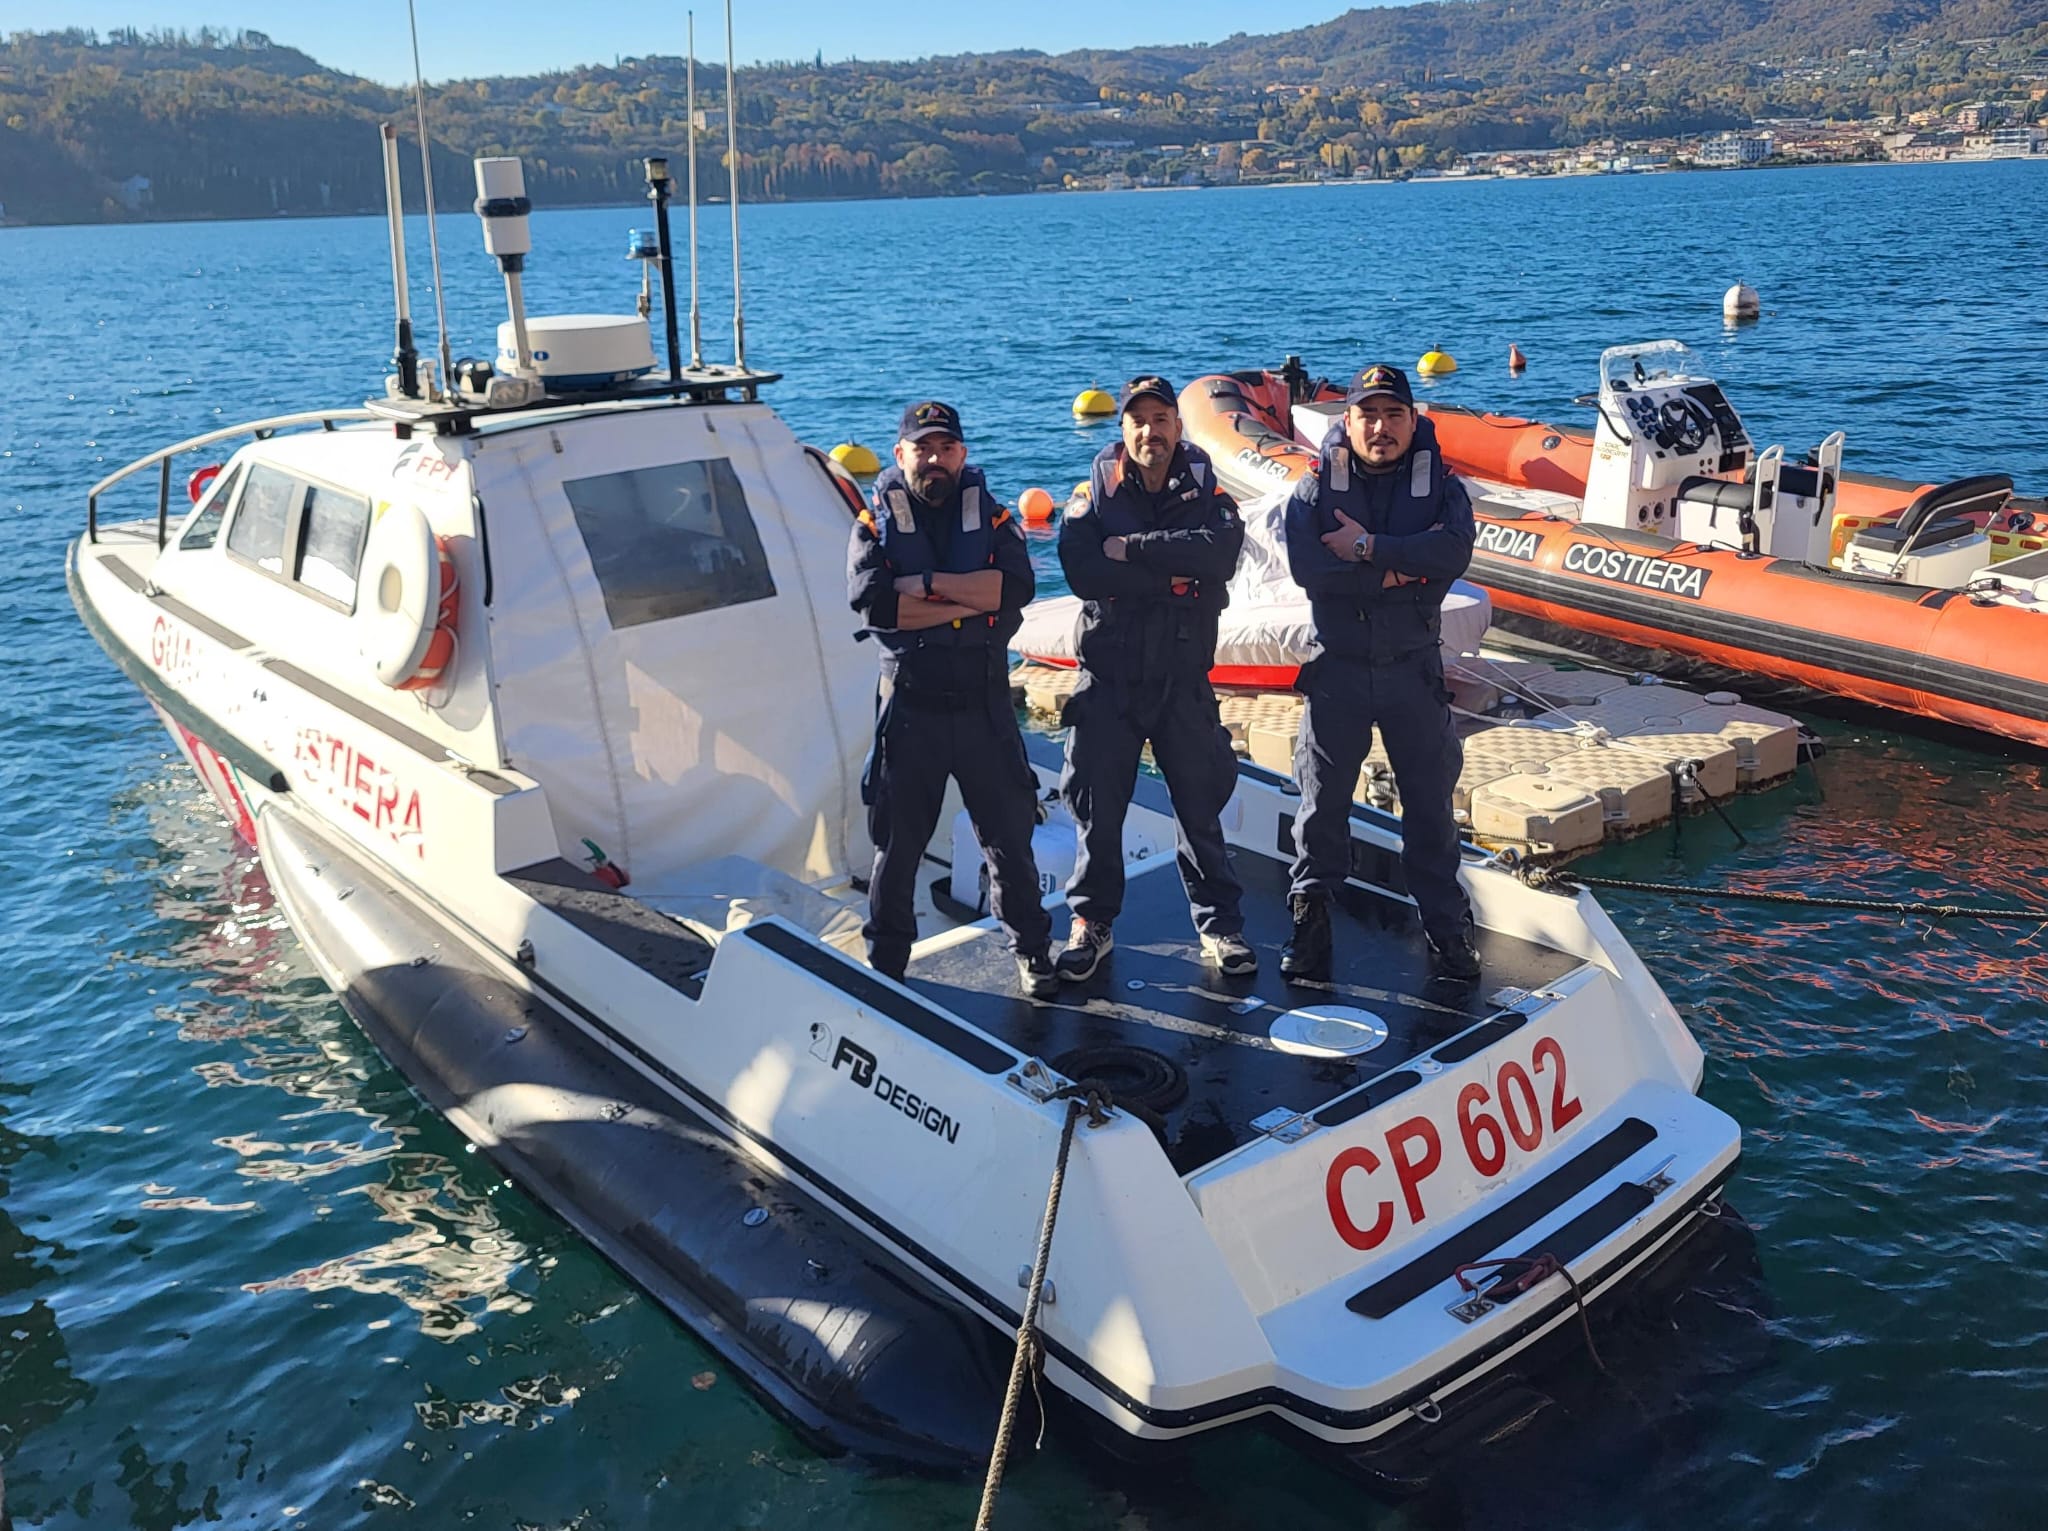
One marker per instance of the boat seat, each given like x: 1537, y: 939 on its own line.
x: 1721, y: 492
x: 1805, y: 482
x: 1934, y: 516
x: 1891, y: 536
x: 1980, y: 494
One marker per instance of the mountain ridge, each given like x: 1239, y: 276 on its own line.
x: 134, y: 124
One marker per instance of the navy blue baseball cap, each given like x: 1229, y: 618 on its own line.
x: 1150, y: 386
x: 1380, y: 381
x: 930, y: 418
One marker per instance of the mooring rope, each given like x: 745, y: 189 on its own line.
x: 1082, y: 1099
x: 1518, y: 1273
x: 1548, y: 877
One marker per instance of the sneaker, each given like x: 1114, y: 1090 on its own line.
x: 1231, y: 955
x: 1307, y: 954
x: 1455, y: 956
x: 1037, y: 977
x: 1086, y: 947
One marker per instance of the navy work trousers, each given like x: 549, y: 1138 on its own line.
x: 918, y: 744
x: 1407, y: 698
x: 1194, y: 755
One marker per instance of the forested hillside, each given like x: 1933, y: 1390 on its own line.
x: 127, y: 124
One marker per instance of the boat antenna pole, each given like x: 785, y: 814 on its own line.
x: 658, y: 184
x: 405, y: 358
x: 696, y: 318
x: 419, y: 99
x: 732, y: 191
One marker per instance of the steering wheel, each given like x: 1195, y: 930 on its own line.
x: 1683, y: 425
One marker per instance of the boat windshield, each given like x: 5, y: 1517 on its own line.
x: 1627, y: 367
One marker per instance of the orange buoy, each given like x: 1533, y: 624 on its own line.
x: 1036, y: 506
x: 1516, y: 360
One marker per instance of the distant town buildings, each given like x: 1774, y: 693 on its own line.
x: 1730, y: 151
x: 1975, y: 131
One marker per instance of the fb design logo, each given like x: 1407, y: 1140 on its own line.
x: 860, y: 1066
x: 856, y: 1059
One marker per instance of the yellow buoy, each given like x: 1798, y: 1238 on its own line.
x: 1436, y: 364
x: 1091, y: 403
x: 857, y: 459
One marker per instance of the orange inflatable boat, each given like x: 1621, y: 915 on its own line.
x: 1666, y: 540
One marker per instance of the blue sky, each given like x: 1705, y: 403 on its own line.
x: 461, y: 38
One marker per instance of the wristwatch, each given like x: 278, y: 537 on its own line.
x: 1362, y: 548
x: 928, y: 586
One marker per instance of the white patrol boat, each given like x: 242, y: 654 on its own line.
x: 536, y: 690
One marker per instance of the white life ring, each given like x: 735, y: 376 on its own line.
x: 409, y: 603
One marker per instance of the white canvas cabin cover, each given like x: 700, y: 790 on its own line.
x: 673, y: 652
x: 1268, y: 620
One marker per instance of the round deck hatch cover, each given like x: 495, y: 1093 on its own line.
x: 1328, y: 1031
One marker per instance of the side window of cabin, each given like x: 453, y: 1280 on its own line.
x: 335, y: 529
x: 262, y: 518
x: 670, y: 541
x: 201, y: 530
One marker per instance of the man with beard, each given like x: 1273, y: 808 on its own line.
x: 1150, y: 555
x: 940, y: 572
x: 1376, y: 535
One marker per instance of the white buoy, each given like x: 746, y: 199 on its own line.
x: 1739, y: 302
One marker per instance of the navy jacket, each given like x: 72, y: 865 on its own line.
x: 1153, y: 616
x: 1421, y: 521
x: 902, y: 535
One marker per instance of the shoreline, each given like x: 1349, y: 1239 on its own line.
x: 173, y: 220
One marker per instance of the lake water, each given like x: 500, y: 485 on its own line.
x: 245, y: 1276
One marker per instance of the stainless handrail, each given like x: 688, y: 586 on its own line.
x: 262, y: 430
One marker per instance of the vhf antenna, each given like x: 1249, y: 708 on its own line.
x: 732, y: 153
x: 696, y: 319
x: 419, y: 97
x: 404, y: 358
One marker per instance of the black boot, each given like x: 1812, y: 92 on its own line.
x: 1307, y: 954
x: 1454, y: 954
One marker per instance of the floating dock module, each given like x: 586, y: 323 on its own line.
x: 1766, y: 743
x: 1634, y: 790
x: 1542, y: 812
x: 1045, y: 688
x: 1601, y: 759
x: 1274, y: 711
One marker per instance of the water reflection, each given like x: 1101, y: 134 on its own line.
x: 37, y: 1384
x: 272, y: 1025
x: 451, y: 1262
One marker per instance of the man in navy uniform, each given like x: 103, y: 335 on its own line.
x: 940, y: 572
x: 1150, y: 555
x: 1375, y: 536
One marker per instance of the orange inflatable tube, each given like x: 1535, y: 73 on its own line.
x: 1960, y: 657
